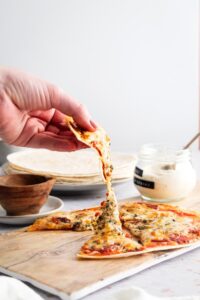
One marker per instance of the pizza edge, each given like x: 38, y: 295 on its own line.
x: 133, y: 253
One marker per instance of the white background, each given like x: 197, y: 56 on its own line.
x: 134, y: 63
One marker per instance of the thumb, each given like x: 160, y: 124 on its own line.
x: 69, y: 106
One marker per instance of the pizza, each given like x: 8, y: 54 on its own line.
x: 146, y: 227
x: 108, y: 231
x: 77, y: 220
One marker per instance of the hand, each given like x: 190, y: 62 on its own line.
x: 32, y: 113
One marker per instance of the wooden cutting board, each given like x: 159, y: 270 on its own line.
x: 48, y: 260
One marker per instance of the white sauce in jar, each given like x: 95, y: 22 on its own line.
x: 164, y: 176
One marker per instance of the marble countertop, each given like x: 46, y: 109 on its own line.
x: 177, y: 277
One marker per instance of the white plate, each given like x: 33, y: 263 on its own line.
x: 69, y: 187
x: 52, y: 205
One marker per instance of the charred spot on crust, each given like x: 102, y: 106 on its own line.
x: 76, y: 225
x: 57, y: 220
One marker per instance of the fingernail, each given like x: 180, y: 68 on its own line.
x: 93, y: 124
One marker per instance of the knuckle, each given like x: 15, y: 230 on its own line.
x: 2, y: 95
x: 54, y: 95
x: 81, y: 109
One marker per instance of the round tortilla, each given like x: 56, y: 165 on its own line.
x: 8, y: 169
x: 118, y: 175
x: 79, y: 164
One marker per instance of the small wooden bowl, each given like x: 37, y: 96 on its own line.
x: 24, y: 194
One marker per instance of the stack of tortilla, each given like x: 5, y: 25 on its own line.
x: 80, y: 167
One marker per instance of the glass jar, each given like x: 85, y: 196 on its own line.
x: 163, y: 174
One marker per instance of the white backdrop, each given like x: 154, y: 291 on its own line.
x: 134, y: 63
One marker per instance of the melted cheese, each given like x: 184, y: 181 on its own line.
x: 109, y: 243
x: 100, y: 141
x: 108, y: 224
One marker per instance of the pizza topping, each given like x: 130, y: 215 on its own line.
x: 160, y: 228
x: 109, y: 243
x: 195, y: 231
x: 60, y: 219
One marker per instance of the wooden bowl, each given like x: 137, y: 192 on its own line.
x: 24, y: 194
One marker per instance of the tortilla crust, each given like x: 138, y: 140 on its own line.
x: 134, y: 253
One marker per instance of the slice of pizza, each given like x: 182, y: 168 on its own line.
x: 104, y: 245
x: 110, y: 238
x: 161, y: 225
x: 108, y: 228
x: 98, y: 140
x: 77, y: 220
